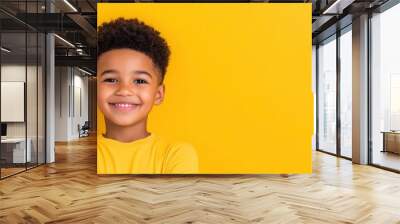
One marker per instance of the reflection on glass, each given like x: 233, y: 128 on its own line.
x: 31, y: 97
x: 327, y: 96
x: 32, y: 84
x: 22, y: 90
x: 386, y: 88
x: 346, y: 94
x: 41, y: 99
x: 14, y: 153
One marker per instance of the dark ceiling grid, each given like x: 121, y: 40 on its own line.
x: 76, y: 27
x: 79, y: 27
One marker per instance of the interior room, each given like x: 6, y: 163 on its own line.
x: 48, y: 68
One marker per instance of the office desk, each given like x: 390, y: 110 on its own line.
x: 15, y: 148
x: 391, y: 141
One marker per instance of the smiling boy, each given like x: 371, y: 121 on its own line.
x: 132, y: 60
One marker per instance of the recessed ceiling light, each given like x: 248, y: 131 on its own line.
x: 337, y: 7
x: 5, y: 50
x: 84, y: 71
x: 71, y: 6
x: 64, y: 40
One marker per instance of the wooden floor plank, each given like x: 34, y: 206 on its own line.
x: 70, y: 191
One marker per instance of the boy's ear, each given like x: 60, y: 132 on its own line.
x: 160, y: 94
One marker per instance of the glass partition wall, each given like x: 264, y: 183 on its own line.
x: 22, y: 77
x: 334, y: 75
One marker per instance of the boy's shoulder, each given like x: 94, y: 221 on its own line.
x: 172, y: 157
x: 179, y: 158
x: 175, y: 146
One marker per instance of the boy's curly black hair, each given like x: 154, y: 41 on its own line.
x: 136, y: 35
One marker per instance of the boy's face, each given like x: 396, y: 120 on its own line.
x: 128, y: 86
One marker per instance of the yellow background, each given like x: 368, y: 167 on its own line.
x: 238, y: 86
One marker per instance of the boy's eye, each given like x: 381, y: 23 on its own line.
x: 110, y: 80
x: 140, y: 81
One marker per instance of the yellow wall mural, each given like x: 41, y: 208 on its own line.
x: 237, y: 87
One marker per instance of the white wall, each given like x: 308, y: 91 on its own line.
x: 71, y: 93
x: 314, y: 90
x: 61, y: 103
x: 15, y: 72
x: 81, y: 100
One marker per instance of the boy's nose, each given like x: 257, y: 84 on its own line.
x: 125, y: 90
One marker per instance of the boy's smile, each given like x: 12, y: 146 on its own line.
x: 128, y: 86
x: 124, y: 106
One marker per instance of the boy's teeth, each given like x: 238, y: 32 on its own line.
x: 124, y: 105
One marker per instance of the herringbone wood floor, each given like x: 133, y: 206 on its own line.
x: 69, y: 191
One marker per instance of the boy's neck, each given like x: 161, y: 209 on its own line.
x: 126, y: 133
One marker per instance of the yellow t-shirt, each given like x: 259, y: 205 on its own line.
x: 150, y: 155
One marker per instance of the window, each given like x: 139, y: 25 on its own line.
x: 385, y: 88
x: 327, y: 96
x: 346, y: 93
